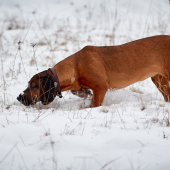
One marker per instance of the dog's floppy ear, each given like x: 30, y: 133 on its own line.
x: 48, y: 89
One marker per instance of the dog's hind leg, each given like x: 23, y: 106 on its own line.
x: 83, y: 92
x: 162, y: 84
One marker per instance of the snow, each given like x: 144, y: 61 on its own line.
x: 129, y: 131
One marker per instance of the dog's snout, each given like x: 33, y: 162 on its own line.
x: 21, y: 98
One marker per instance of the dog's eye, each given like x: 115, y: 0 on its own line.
x: 32, y: 87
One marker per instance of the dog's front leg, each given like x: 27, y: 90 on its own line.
x: 98, y: 96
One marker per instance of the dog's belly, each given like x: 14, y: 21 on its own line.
x: 123, y: 80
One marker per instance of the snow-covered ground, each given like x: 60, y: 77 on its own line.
x: 130, y: 131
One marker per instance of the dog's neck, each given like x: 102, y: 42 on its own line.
x: 66, y: 74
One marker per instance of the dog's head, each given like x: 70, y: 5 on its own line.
x: 42, y: 87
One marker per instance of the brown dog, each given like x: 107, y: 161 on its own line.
x: 103, y: 68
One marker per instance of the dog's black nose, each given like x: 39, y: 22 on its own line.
x: 19, y: 98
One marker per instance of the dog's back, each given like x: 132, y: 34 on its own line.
x: 131, y: 62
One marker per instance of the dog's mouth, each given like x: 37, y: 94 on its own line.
x: 21, y: 98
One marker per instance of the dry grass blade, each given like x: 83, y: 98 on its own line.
x: 8, y: 152
x: 104, y: 166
